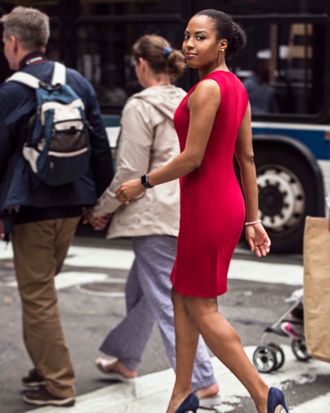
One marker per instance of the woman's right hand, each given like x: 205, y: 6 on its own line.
x: 129, y: 190
x: 257, y: 239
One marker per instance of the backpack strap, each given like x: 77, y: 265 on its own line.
x: 59, y: 74
x: 25, y: 78
x: 59, y: 77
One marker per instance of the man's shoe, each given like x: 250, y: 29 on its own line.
x: 33, y: 380
x: 42, y: 397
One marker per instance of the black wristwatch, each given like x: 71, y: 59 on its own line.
x: 145, y: 181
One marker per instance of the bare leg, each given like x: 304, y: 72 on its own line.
x: 186, y: 335
x: 225, y: 343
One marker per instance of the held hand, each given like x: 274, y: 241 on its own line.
x: 257, y: 239
x: 99, y: 223
x: 86, y: 215
x: 129, y: 190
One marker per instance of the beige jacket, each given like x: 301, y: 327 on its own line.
x: 147, y: 141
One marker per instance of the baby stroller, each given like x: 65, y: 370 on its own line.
x: 269, y: 356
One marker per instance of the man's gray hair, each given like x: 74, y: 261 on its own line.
x: 30, y: 27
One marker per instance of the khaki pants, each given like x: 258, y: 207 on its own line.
x: 39, y: 251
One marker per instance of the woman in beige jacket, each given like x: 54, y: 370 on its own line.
x: 147, y: 141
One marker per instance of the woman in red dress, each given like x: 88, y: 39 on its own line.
x: 213, y: 123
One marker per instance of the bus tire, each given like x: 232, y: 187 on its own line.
x: 287, y: 193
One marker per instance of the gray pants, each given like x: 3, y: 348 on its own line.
x: 148, y: 299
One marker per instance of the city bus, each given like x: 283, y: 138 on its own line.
x: 284, y: 67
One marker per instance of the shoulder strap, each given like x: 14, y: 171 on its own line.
x: 59, y: 77
x: 25, y: 78
x: 59, y: 74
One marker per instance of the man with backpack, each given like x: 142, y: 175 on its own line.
x: 55, y: 160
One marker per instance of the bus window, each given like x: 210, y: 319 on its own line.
x: 282, y: 67
x: 128, y: 7
x: 103, y: 55
x: 262, y: 7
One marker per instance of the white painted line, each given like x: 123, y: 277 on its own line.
x: 239, y: 269
x: 6, y: 251
x: 70, y: 278
x: 110, y: 258
x: 318, y: 405
x: 266, y: 272
x: 151, y: 392
x: 100, y: 258
x: 90, y: 257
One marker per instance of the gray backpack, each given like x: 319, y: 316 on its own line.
x: 58, y: 150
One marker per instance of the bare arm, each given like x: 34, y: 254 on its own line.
x: 255, y: 234
x: 245, y: 158
x: 203, y: 105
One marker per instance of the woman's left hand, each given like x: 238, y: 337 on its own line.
x: 257, y: 239
x: 129, y: 190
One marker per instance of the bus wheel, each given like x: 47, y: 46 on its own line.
x: 286, y: 195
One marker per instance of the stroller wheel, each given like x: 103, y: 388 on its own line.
x: 264, y: 359
x: 299, y: 349
x: 279, y: 353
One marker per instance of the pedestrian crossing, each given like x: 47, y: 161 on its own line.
x: 108, y: 259
x: 150, y: 393
x: 255, y: 270
x: 319, y: 404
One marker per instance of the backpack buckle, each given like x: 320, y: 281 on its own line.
x: 45, y: 86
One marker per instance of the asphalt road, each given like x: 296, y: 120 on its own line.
x: 91, y: 302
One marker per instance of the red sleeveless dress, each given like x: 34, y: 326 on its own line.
x: 212, y: 204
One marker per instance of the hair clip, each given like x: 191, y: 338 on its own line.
x: 167, y: 51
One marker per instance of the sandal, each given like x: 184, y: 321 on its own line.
x: 114, y: 375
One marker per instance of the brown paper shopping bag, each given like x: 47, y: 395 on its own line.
x: 317, y: 287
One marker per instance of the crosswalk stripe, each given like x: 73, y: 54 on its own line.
x: 72, y: 278
x: 239, y: 269
x: 114, y: 259
x: 318, y: 405
x: 151, y: 392
x: 100, y: 258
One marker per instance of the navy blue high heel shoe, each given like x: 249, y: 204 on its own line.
x: 190, y: 404
x: 276, y: 401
